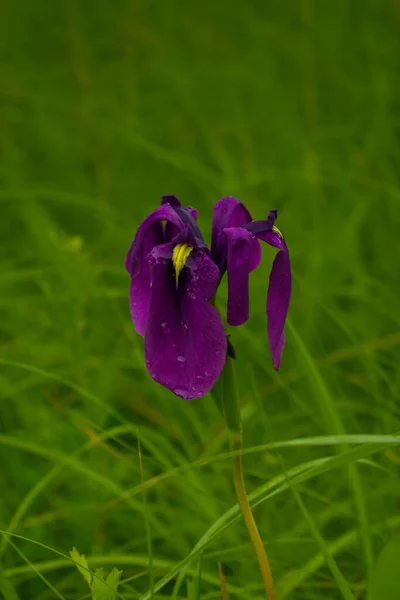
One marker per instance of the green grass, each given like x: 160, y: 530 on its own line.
x: 104, y: 107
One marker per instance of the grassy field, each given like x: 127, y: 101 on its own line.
x: 104, y: 107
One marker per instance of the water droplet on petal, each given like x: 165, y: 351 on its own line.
x: 218, y: 353
x: 207, y: 376
x: 165, y: 328
x: 185, y: 329
x: 181, y: 359
x: 180, y: 391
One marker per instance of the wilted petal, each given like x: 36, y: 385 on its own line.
x: 185, y: 342
x: 159, y: 227
x: 278, y: 297
x: 239, y: 251
x: 230, y: 212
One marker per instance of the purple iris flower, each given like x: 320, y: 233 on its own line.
x: 174, y: 280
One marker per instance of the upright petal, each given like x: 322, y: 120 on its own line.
x: 152, y: 228
x: 188, y: 215
x: 159, y: 227
x: 176, y: 203
x: 230, y: 212
x: 239, y: 251
x: 171, y: 199
x: 278, y: 296
x: 185, y: 341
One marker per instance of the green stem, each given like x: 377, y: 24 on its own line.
x: 226, y: 394
x: 237, y: 446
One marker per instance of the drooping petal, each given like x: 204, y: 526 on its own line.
x: 139, y: 293
x: 185, y: 342
x: 278, y: 296
x: 159, y: 227
x: 230, y: 212
x: 239, y: 252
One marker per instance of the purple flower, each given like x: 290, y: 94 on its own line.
x: 174, y: 280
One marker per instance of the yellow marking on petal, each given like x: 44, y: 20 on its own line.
x: 164, y: 225
x: 278, y: 231
x: 179, y: 258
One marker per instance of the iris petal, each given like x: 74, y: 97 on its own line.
x: 278, y: 296
x: 280, y: 280
x: 172, y: 200
x: 230, y: 212
x: 159, y: 227
x: 185, y: 342
x: 188, y: 214
x: 239, y: 251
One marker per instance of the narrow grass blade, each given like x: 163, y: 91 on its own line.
x: 224, y: 587
x: 193, y: 583
x: 330, y: 561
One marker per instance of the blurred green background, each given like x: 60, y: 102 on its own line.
x: 104, y: 107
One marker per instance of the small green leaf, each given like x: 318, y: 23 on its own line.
x: 384, y: 580
x: 113, y: 579
x: 102, y: 589
x: 226, y: 396
x: 81, y: 563
x: 105, y: 590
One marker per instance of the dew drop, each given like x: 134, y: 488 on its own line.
x: 165, y: 328
x: 218, y: 353
x: 185, y: 329
x: 181, y: 391
x: 181, y: 359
